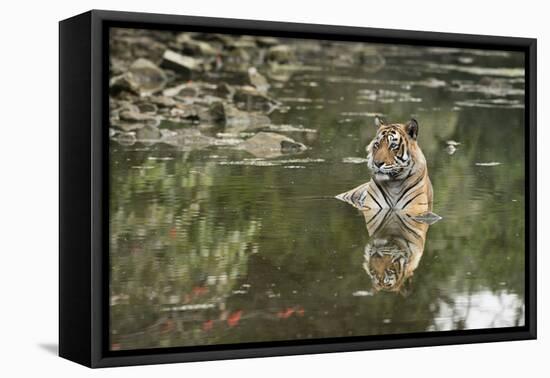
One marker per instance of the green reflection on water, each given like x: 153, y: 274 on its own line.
x: 205, y: 252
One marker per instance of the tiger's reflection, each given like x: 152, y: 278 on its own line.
x: 397, y: 239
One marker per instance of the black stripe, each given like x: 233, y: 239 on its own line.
x: 371, y: 196
x: 388, y: 201
x: 415, y: 220
x: 411, y: 170
x: 412, y: 199
x: 374, y: 191
x: 374, y: 216
x: 410, y: 229
x: 410, y: 188
x: 382, y: 224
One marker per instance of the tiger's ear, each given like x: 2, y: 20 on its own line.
x: 378, y: 121
x: 412, y: 128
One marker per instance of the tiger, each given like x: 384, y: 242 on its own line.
x: 399, y: 171
x: 395, y: 247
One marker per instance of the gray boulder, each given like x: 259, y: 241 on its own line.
x: 235, y: 119
x: 182, y: 64
x: 250, y: 99
x: 142, y: 78
x: 269, y: 145
x: 281, y: 54
x: 189, y: 46
x: 148, y: 134
x: 258, y: 80
x: 187, y: 139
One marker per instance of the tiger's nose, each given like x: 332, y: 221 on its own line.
x: 378, y: 163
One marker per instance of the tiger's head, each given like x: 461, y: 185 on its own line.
x: 386, y: 264
x: 394, y: 154
x: 395, y: 248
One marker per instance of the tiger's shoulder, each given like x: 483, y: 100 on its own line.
x: 415, y: 195
x: 361, y: 197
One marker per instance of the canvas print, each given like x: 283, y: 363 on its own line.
x: 269, y: 189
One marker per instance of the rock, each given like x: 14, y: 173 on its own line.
x: 129, y: 115
x: 217, y: 111
x: 371, y: 60
x: 189, y: 46
x: 240, y: 120
x: 242, y: 42
x: 173, y: 91
x: 238, y: 55
x: 147, y: 107
x: 187, y: 139
x: 250, y: 99
x: 268, y: 145
x: 162, y: 101
x: 465, y: 59
x: 167, y: 133
x: 194, y: 113
x: 192, y: 91
x: 236, y: 119
x: 205, y: 100
x: 148, y: 134
x: 222, y: 39
x: 224, y: 90
x: 117, y: 66
x: 125, y: 138
x: 281, y: 54
x: 451, y: 149
x: 146, y: 77
x: 185, y: 112
x: 431, y: 82
x: 267, y: 41
x: 452, y: 146
x: 133, y: 125
x: 135, y: 46
x: 291, y: 146
x: 122, y: 83
x: 183, y: 90
x: 142, y: 78
x: 127, y: 126
x: 278, y: 73
x: 183, y: 65
x: 128, y: 96
x: 258, y: 80
x: 121, y: 106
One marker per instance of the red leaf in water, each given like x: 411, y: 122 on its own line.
x: 173, y: 232
x: 167, y: 326
x: 207, y: 325
x: 300, y: 311
x: 233, y: 319
x: 186, y: 298
x: 200, y: 290
x: 286, y: 313
x: 115, y: 346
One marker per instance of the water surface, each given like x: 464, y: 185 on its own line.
x: 214, y: 245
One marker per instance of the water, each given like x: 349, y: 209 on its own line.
x: 214, y: 245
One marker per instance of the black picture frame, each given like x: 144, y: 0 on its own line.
x: 83, y: 195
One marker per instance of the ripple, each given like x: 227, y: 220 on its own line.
x: 354, y: 160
